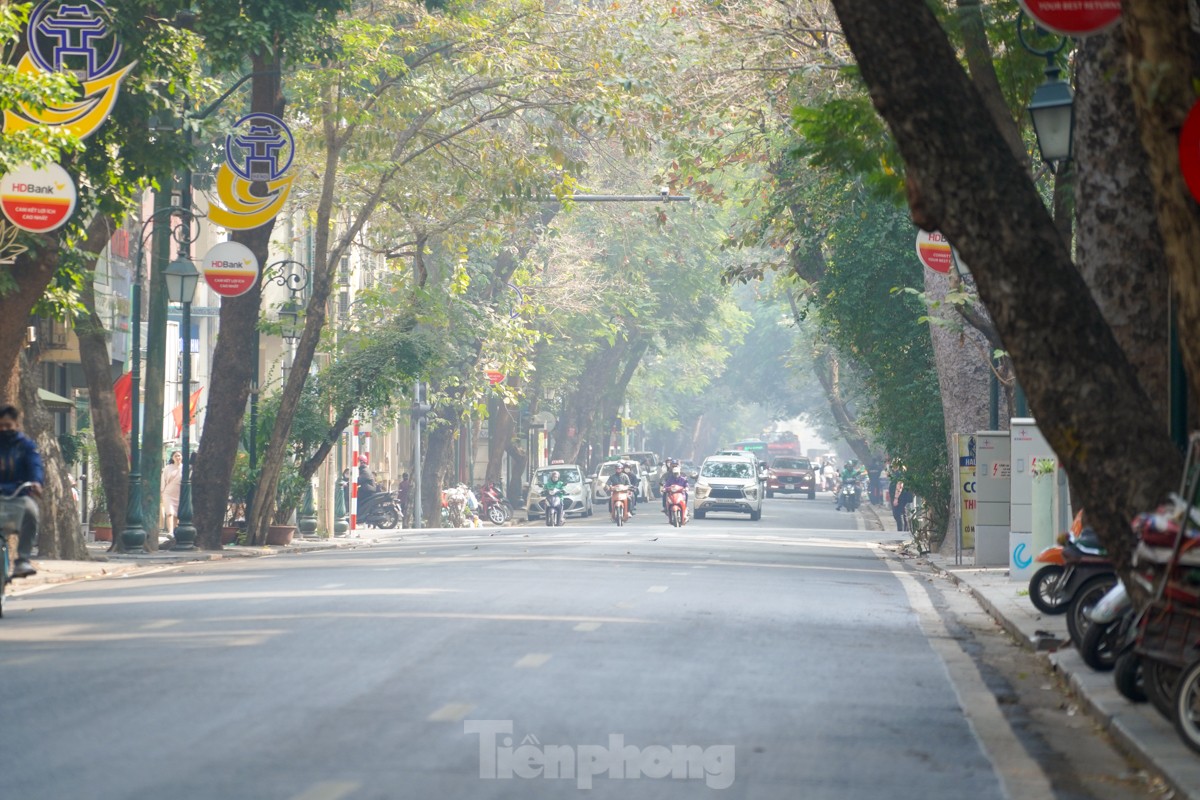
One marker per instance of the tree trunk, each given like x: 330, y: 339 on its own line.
x: 112, y: 447
x: 827, y: 367
x: 236, y: 357
x: 155, y: 379
x: 439, y: 444
x: 964, y: 181
x: 31, y: 274
x: 1163, y: 55
x: 579, y: 409
x: 58, y: 533
x: 1119, y: 249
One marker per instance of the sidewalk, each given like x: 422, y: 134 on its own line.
x: 104, y: 564
x: 1140, y: 730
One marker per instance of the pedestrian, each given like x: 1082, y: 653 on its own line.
x: 899, y: 496
x: 168, y: 499
x: 402, y: 491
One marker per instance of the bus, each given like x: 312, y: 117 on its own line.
x: 758, y: 447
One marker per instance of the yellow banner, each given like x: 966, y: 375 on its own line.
x: 242, y: 210
x: 81, y: 118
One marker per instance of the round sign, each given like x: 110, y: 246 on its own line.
x: 230, y: 269
x: 934, y: 251
x: 38, y: 200
x: 1189, y: 151
x: 1073, y: 17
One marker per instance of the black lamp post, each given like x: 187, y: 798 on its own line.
x: 1052, y: 108
x: 133, y: 536
x: 182, y: 277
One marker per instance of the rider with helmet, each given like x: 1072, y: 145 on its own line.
x: 674, y: 477
x: 555, y: 486
x: 621, y: 477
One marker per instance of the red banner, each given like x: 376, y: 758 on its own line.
x: 177, y: 412
x: 123, y: 389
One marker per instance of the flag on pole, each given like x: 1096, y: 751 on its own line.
x: 123, y: 389
x: 177, y: 412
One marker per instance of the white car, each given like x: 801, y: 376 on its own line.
x: 729, y: 483
x: 578, y: 499
x: 600, y: 481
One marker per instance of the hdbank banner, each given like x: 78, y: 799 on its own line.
x: 71, y: 37
x: 967, y: 488
x: 252, y: 184
x: 230, y: 269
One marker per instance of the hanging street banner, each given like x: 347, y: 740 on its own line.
x: 258, y: 154
x: 934, y: 251
x: 38, y: 200
x: 230, y: 269
x: 965, y: 475
x: 71, y: 37
x: 1073, y: 17
x: 1189, y: 151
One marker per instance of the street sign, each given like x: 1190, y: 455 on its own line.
x: 230, y: 269
x: 934, y: 251
x: 494, y: 376
x: 1189, y: 151
x: 38, y: 200
x: 1073, y: 17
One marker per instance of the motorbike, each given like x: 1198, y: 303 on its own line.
x: 380, y: 510
x: 618, y: 503
x: 849, y: 495
x: 493, y: 504
x: 553, y: 504
x: 676, y: 505
x: 1108, y: 632
x: 1076, y: 562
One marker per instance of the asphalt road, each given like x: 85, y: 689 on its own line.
x: 778, y: 659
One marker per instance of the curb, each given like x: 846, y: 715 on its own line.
x: 1132, y: 727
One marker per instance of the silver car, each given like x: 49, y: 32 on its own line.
x: 578, y: 499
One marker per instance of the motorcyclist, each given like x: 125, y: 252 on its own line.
x: 849, y: 475
x: 675, y: 477
x: 367, y: 487
x: 622, y: 478
x: 20, y: 462
x: 552, y: 487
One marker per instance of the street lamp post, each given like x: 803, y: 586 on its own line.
x: 294, y: 276
x: 1052, y: 108
x: 133, y: 535
x: 182, y: 277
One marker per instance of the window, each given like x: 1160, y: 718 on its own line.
x: 792, y: 463
x: 726, y: 469
x: 567, y: 475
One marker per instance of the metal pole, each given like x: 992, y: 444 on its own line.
x: 994, y: 400
x: 185, y: 532
x: 418, y: 518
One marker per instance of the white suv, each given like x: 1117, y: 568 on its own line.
x: 729, y: 483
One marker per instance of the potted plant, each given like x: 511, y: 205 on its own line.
x: 287, y: 500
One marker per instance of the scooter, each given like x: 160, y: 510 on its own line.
x: 553, y: 503
x: 493, y: 504
x: 618, y: 503
x: 380, y: 510
x: 1070, y: 564
x: 849, y: 495
x: 1108, y: 632
x: 676, y: 505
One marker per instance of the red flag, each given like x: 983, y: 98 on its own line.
x: 123, y: 389
x: 177, y: 412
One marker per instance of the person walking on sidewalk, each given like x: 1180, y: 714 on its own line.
x: 20, y: 462
x: 172, y: 477
x: 898, y: 496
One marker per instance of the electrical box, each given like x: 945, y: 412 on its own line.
x: 993, y: 474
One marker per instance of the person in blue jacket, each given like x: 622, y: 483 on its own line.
x: 20, y: 462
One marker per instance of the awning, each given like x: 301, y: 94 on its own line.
x: 55, y: 402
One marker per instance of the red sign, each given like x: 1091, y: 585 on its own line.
x: 38, y: 200
x: 1073, y: 17
x: 934, y: 251
x: 494, y: 377
x: 1189, y: 151
x: 230, y: 269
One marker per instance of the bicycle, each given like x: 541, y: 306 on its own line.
x: 11, y: 516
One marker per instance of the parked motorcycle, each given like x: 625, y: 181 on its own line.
x: 553, y: 505
x: 1069, y: 566
x: 493, y: 504
x: 849, y: 495
x: 676, y: 505
x: 1108, y: 632
x: 380, y: 510
x: 618, y: 503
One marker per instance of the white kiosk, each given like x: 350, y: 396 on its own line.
x: 992, y: 494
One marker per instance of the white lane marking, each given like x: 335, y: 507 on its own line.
x: 657, y: 589
x: 328, y: 790
x: 1018, y: 773
x: 586, y: 627
x: 451, y: 712
x: 680, y: 573
x: 159, y: 624
x: 532, y: 661
x: 332, y: 586
x: 625, y: 604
